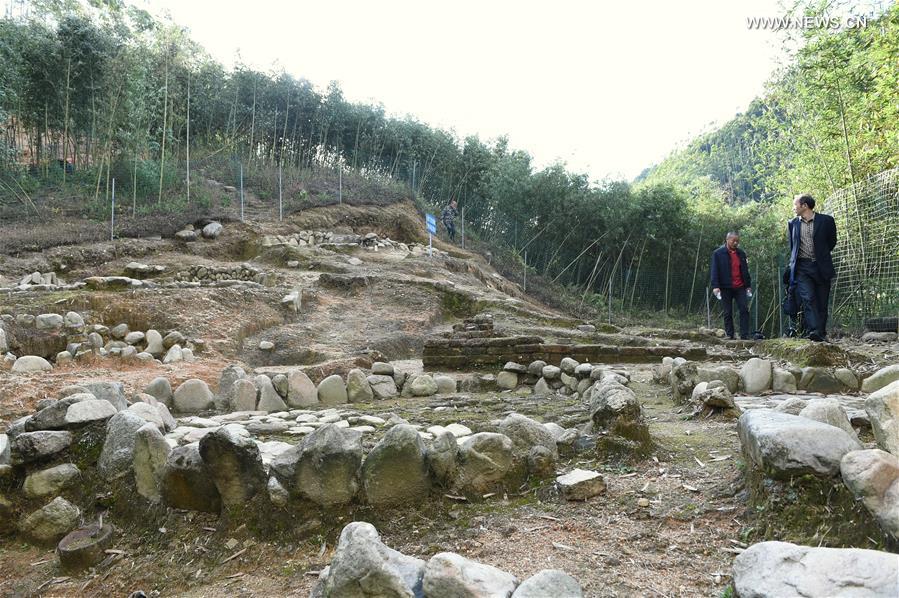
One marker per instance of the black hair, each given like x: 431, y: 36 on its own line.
x: 807, y: 200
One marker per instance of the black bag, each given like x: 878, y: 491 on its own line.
x: 790, y: 303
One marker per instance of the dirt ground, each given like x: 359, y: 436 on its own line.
x: 668, y: 525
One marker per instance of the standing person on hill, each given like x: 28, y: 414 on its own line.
x: 812, y: 237
x: 448, y: 216
x: 731, y: 281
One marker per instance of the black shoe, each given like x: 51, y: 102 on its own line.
x: 815, y: 337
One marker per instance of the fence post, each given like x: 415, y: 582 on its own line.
x: 525, y: 271
x: 708, y: 309
x: 280, y: 195
x: 241, y: 191
x: 610, y: 300
x: 463, y: 227
x: 340, y: 186
x: 111, y: 213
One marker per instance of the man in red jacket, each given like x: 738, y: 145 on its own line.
x: 731, y: 281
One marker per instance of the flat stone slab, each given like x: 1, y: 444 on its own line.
x: 777, y: 569
x: 581, y: 484
x: 785, y: 445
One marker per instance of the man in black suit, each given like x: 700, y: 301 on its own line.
x: 731, y: 282
x: 812, y: 237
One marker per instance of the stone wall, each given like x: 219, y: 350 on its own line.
x: 464, y: 353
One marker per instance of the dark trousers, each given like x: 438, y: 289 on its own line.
x: 451, y: 230
x: 814, y: 293
x: 727, y: 298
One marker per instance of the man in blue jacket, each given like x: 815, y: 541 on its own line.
x: 731, y: 281
x: 812, y: 237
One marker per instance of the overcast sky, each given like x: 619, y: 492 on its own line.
x: 608, y: 88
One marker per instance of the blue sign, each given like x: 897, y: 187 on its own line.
x: 431, y: 221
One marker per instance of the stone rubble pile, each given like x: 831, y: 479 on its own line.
x: 219, y: 462
x: 211, y: 230
x: 329, y: 239
x: 201, y: 273
x: 84, y: 341
x: 363, y: 566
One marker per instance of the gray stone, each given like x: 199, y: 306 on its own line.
x: 610, y: 402
x: 193, y: 396
x: 173, y: 338
x: 4, y: 449
x: 542, y: 388
x: 174, y: 355
x: 784, y: 445
x: 277, y: 493
x: 815, y: 379
x: 873, y: 476
x: 269, y: 400
x: 726, y: 374
x: 243, y: 395
x: 756, y: 375
x: 185, y: 482
x: 234, y: 464
x: 779, y: 569
x: 484, y: 460
x: 51, y: 522
x: 88, y: 411
x: 162, y: 390
x: 382, y: 386
x: 581, y: 484
x: 50, y: 481
x: 154, y: 343
x: 364, y: 567
x: 881, y: 378
x: 53, y: 415
x: 445, y: 385
x: 550, y: 372
x: 133, y: 338
x: 828, y: 411
x: 517, y: 368
x: 301, y: 392
x: 683, y: 379
x: 449, y: 574
x: 118, y: 449
x: 525, y: 434
x: 443, y: 454
x: 28, y: 364
x: 507, y: 380
x: 882, y: 407
x: 535, y: 368
x: 423, y: 386
x: 846, y: 378
x: 879, y: 337
x: 396, y: 470
x: 119, y: 331
x: 783, y: 381
x: 49, y: 322
x: 114, y: 392
x: 151, y: 451
x: 568, y: 365
x: 325, y: 467
x: 549, y: 582
x: 380, y: 368
x: 279, y: 381
x: 358, y: 389
x: 64, y: 357
x: 266, y: 346
x: 34, y: 446
x: 4, y: 344
x: 332, y: 391
x: 212, y: 230
x: 150, y: 414
x: 792, y: 405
